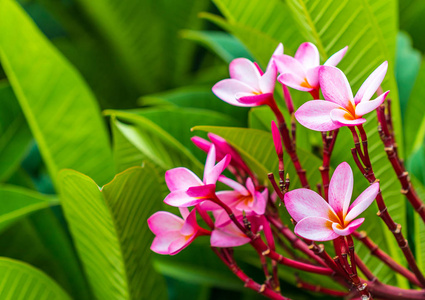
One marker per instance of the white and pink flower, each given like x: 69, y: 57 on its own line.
x: 186, y: 189
x: 173, y: 233
x: 340, y: 108
x: 318, y: 220
x: 301, y: 71
x: 248, y: 85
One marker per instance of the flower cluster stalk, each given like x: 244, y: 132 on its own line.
x: 386, y: 133
x: 384, y: 257
x: 248, y: 212
x: 227, y: 258
x: 361, y: 157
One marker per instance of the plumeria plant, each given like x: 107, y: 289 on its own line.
x: 232, y: 206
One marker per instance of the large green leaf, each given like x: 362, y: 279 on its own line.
x: 260, y: 25
x: 15, y: 135
x: 411, y: 14
x: 195, y: 97
x: 223, y: 44
x: 179, y: 121
x: 415, y: 118
x: 155, y: 143
x: 144, y: 36
x: 60, y: 109
x: 19, y: 281
x: 109, y: 228
x: 17, y: 202
x: 407, y: 68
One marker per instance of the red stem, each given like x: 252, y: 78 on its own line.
x: 248, y: 282
x: 387, y: 138
x: 265, y: 250
x: 383, y: 211
x: 385, y: 258
x: 319, y: 289
x: 288, y: 143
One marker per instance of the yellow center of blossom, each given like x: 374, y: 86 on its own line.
x: 306, y: 84
x: 351, y: 112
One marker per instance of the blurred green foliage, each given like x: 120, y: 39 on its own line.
x: 104, y: 85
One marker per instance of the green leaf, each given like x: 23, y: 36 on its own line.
x: 111, y: 233
x: 195, y: 97
x: 143, y: 35
x: 407, y: 68
x: 15, y: 136
x: 19, y: 281
x: 260, y: 25
x: 156, y: 144
x: 178, y: 122
x: 415, y: 118
x: 126, y: 154
x: 60, y: 109
x: 221, y: 43
x: 17, y: 202
x: 411, y: 14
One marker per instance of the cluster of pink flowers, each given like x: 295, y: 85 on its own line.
x: 247, y: 200
x: 187, y: 190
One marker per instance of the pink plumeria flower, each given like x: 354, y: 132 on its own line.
x: 248, y: 86
x: 301, y: 72
x: 318, y: 220
x: 173, y: 234
x: 222, y: 149
x: 341, y: 109
x: 187, y: 189
x: 243, y: 199
x: 227, y: 234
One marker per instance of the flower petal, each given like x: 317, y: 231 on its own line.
x: 244, y: 70
x: 212, y: 176
x: 335, y: 86
x: 161, y: 243
x: 268, y: 80
x: 362, y: 202
x: 371, y: 84
x: 303, y: 203
x: 228, y: 236
x: 313, y: 77
x: 316, y: 115
x: 260, y: 202
x: 210, y: 162
x: 234, y: 185
x: 190, y: 225
x: 179, y: 244
x: 253, y: 100
x: 226, y: 90
x: 201, y: 143
x: 181, y: 179
x: 295, y: 82
x: 343, y: 118
x: 315, y: 229
x: 277, y: 139
x: 230, y: 198
x: 348, y: 229
x: 341, y: 189
x: 277, y: 51
x: 182, y: 199
x: 163, y: 221
x: 287, y: 64
x: 336, y: 57
x: 308, y: 55
x: 365, y: 107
